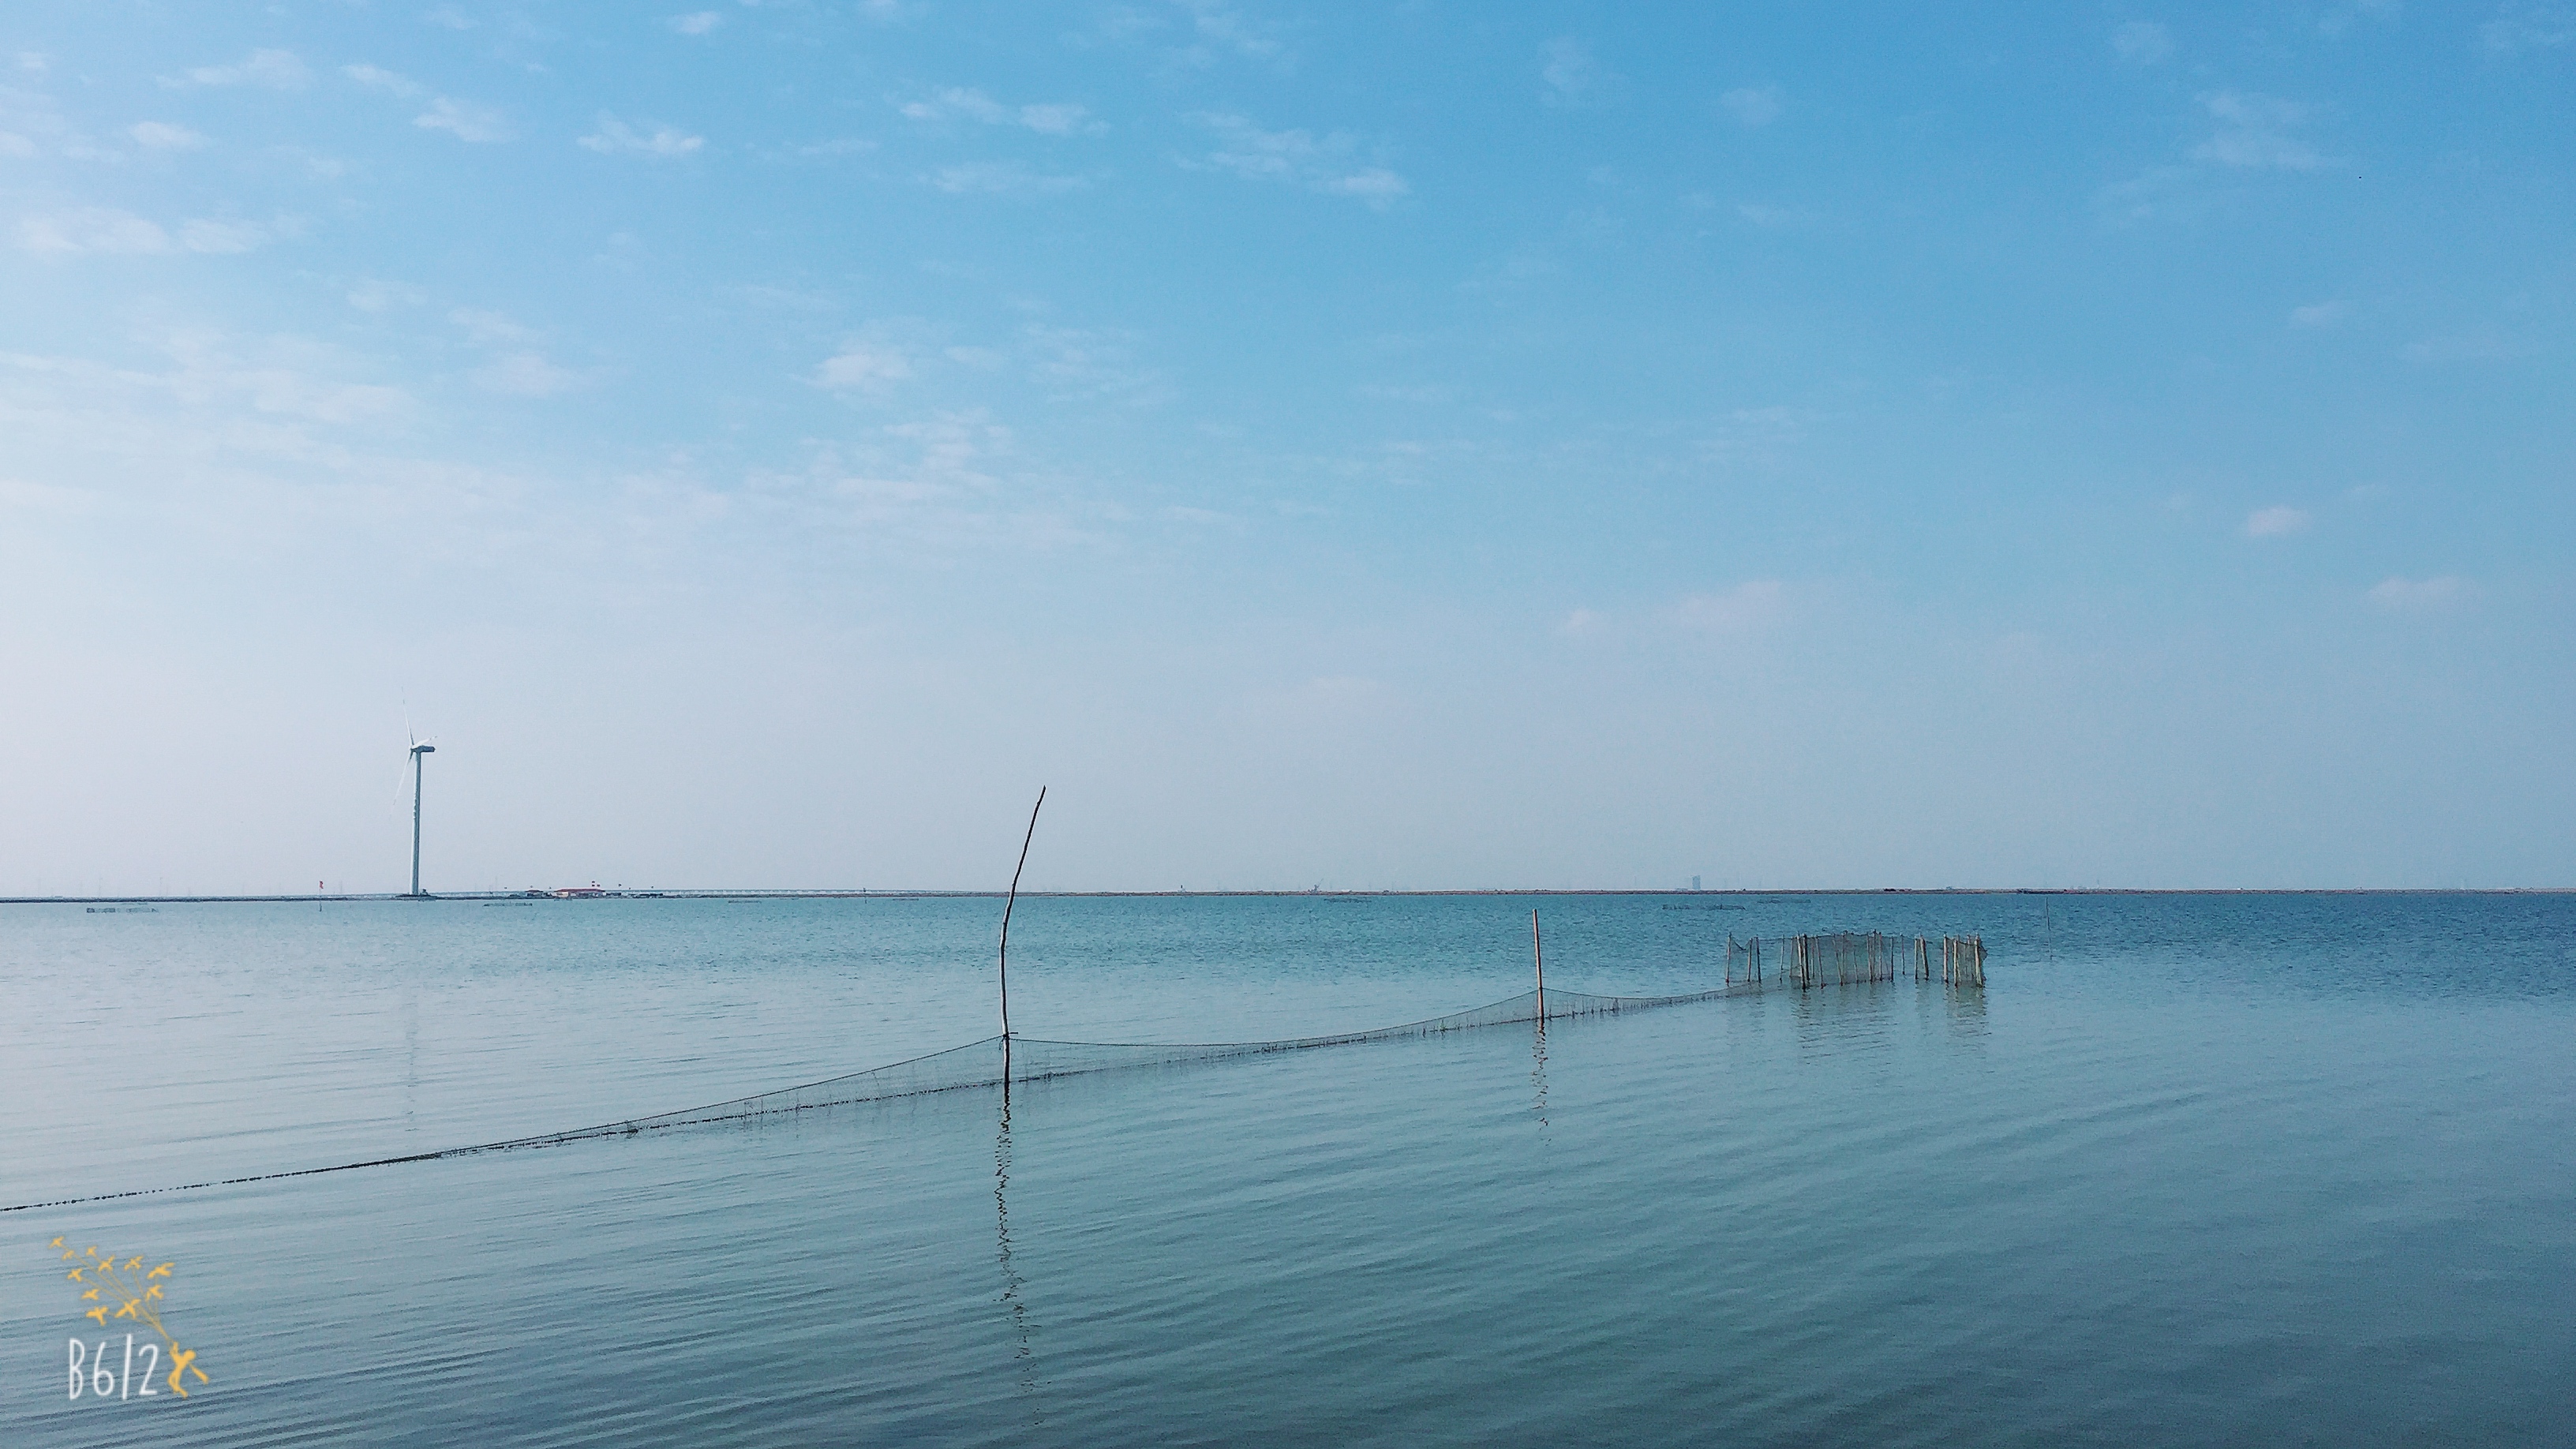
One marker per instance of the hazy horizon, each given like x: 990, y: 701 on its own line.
x: 1407, y: 448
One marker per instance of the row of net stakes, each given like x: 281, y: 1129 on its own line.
x: 1844, y: 958
x: 1963, y: 961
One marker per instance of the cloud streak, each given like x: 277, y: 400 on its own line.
x: 2142, y: 42
x: 1327, y: 163
x: 106, y: 231
x: 863, y: 367
x: 1572, y: 76
x: 2518, y: 29
x: 614, y: 137
x: 2278, y: 521
x: 1753, y: 105
x: 1002, y: 178
x: 2416, y: 596
x: 1733, y: 612
x: 2257, y: 132
x: 277, y: 70
x: 163, y: 136
x: 1050, y: 118
x: 463, y: 120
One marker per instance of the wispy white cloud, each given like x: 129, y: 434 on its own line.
x: 1062, y: 118
x: 164, y: 136
x: 953, y: 102
x: 464, y: 120
x: 223, y: 237
x: 1375, y: 185
x: 2415, y: 596
x: 13, y: 144
x: 274, y: 69
x: 1218, y: 27
x: 2339, y: 19
x: 2159, y: 191
x: 1735, y: 611
x: 1761, y: 437
x: 282, y: 376
x: 516, y: 364
x: 2141, y: 42
x: 2320, y: 314
x: 369, y: 294
x: 1327, y: 163
x: 1052, y: 118
x: 1580, y: 624
x: 489, y: 328
x: 526, y: 374
x: 104, y: 231
x: 1754, y: 105
x: 700, y: 22
x: 950, y: 480
x: 90, y: 230
x: 1764, y: 214
x: 1075, y: 363
x: 2252, y: 132
x: 2278, y: 521
x: 1407, y: 392
x: 1002, y: 178
x: 863, y: 367
x: 1573, y: 76
x: 1525, y: 264
x: 662, y: 143
x: 2257, y: 131
x: 835, y: 146
x: 385, y: 80
x: 2518, y: 28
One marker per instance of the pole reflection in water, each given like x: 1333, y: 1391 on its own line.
x: 1842, y: 1018
x: 1967, y: 1011
x: 411, y: 1052
x: 1538, y: 1075
x: 1013, y: 1285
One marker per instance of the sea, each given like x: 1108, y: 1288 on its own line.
x: 2222, y: 1169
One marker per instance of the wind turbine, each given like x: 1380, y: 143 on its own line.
x: 419, y: 747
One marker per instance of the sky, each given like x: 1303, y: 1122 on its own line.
x: 1413, y: 446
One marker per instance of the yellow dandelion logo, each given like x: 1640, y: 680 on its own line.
x: 131, y: 1292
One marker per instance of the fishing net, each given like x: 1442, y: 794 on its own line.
x: 994, y: 1060
x: 988, y: 1063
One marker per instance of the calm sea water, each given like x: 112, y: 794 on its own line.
x: 2191, y: 1170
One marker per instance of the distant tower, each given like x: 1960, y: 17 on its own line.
x: 417, y: 750
x: 1694, y: 884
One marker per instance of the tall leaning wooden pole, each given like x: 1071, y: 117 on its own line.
x: 1538, y: 962
x: 1007, y: 904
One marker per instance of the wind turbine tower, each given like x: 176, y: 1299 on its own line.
x: 418, y: 749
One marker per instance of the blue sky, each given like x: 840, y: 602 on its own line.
x: 1417, y: 446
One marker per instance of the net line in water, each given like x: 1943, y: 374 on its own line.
x: 996, y: 1060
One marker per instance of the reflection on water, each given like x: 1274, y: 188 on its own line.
x: 1965, y: 1009
x: 1538, y: 1073
x: 2233, y: 1171
x: 1845, y: 1018
x: 1014, y: 1300
x: 411, y: 1057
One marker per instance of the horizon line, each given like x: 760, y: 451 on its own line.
x: 759, y: 893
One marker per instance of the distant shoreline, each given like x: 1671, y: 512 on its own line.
x: 753, y: 896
